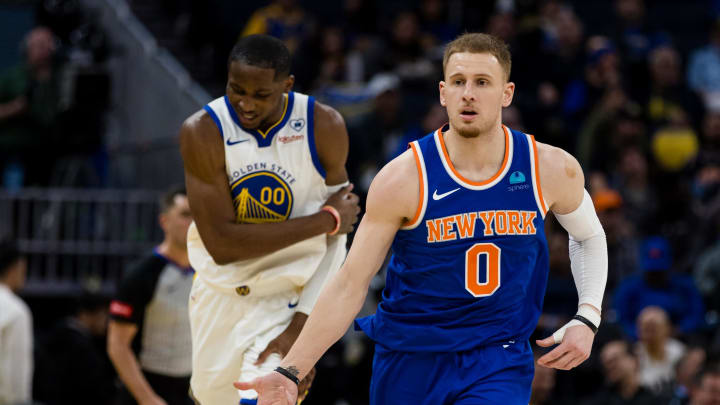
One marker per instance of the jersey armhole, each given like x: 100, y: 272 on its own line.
x: 311, y: 136
x: 537, y: 189
x: 214, y: 118
x: 422, y: 180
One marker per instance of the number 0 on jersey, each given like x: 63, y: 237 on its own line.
x: 492, y: 269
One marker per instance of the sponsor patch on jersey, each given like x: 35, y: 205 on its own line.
x: 262, y: 197
x: 297, y: 124
x: 290, y: 138
x: 517, y: 178
x: 121, y: 309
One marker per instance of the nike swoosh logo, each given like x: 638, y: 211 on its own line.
x: 437, y: 196
x: 291, y: 305
x: 236, y: 142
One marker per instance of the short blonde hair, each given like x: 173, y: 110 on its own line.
x: 476, y: 42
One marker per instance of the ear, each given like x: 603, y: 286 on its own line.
x: 508, y: 93
x: 441, y: 87
x: 162, y: 221
x: 289, y: 83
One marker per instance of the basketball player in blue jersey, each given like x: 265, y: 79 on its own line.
x: 267, y: 186
x: 463, y: 210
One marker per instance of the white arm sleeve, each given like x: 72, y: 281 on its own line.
x: 331, y: 262
x: 588, y: 252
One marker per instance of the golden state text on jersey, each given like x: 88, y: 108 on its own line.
x: 261, y: 197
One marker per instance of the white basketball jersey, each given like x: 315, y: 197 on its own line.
x: 273, y: 176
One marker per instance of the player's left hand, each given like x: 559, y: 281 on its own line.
x: 571, y: 352
x: 272, y: 389
x: 282, y: 344
x: 305, y: 384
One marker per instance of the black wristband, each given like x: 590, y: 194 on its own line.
x: 288, y: 375
x: 586, y: 322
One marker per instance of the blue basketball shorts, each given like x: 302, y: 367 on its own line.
x: 493, y: 374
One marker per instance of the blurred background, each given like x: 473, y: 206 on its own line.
x: 93, y: 92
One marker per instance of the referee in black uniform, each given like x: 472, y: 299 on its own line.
x: 149, y: 332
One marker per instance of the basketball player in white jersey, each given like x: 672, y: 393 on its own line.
x: 267, y: 185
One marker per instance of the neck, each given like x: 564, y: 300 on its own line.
x: 478, y: 158
x: 176, y: 253
x: 275, y: 117
x: 656, y: 350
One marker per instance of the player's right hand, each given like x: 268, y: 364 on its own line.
x: 272, y: 389
x: 346, y: 203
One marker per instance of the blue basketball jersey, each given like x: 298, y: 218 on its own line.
x: 471, y: 268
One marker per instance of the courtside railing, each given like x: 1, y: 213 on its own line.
x: 76, y: 238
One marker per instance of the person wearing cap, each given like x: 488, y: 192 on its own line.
x: 656, y: 285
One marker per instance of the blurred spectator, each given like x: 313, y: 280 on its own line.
x: 707, y: 276
x: 71, y: 369
x: 669, y: 101
x: 707, y: 391
x: 434, y: 25
x: 658, y: 353
x: 16, y: 330
x: 149, y: 334
x: 283, y: 19
x: 656, y: 285
x: 406, y: 51
x: 619, y: 232
x: 323, y: 61
x: 544, y: 83
x: 635, y: 37
x: 435, y: 118
x: 676, y: 145
x: 601, y: 81
x: 621, y: 377
x: 614, y: 124
x: 375, y: 134
x: 703, y: 74
x: 29, y: 107
x: 636, y: 188
x: 686, y: 372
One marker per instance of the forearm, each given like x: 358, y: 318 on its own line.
x: 231, y: 242
x: 336, y: 308
x: 128, y: 369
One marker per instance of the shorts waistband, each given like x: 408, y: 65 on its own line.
x: 252, y: 289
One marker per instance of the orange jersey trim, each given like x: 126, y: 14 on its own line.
x: 418, y: 211
x: 477, y: 183
x: 537, y: 175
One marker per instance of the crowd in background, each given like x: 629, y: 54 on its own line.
x: 636, y: 103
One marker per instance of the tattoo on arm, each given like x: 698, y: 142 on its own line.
x: 293, y: 370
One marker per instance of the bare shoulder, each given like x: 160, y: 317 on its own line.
x: 198, y: 129
x: 561, y: 178
x: 201, y: 145
x: 331, y: 141
x: 395, y: 192
x: 327, y: 117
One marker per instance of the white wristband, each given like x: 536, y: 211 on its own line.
x: 586, y: 313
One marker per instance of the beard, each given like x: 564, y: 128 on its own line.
x: 472, y: 130
x: 468, y: 131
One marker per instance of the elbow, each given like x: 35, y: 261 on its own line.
x: 221, y: 256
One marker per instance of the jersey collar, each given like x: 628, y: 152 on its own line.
x: 264, y: 138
